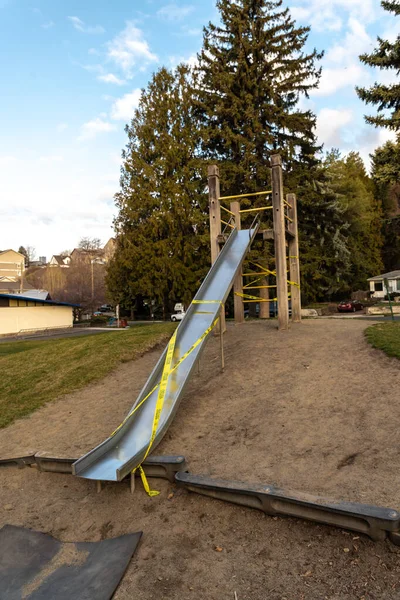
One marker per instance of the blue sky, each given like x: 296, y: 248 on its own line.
x: 71, y: 75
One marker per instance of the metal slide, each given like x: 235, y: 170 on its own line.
x: 115, y: 458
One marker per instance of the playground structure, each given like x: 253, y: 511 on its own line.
x: 147, y: 422
x: 126, y: 452
x: 284, y: 234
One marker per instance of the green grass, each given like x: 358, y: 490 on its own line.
x: 35, y: 372
x: 386, y: 337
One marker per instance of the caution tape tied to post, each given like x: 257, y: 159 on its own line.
x: 254, y: 297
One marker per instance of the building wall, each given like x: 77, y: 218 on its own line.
x: 12, y: 264
x: 15, y: 318
x: 394, y: 286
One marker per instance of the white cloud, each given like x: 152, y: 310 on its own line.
x: 371, y: 138
x: 61, y: 127
x: 111, y: 78
x: 48, y: 25
x: 355, y: 42
x: 79, y: 25
x: 90, y: 129
x: 7, y: 160
x: 129, y: 48
x: 334, y: 79
x: 123, y: 108
x: 51, y: 158
x: 174, y: 12
x: 330, y: 123
x: 326, y: 15
x: 174, y: 61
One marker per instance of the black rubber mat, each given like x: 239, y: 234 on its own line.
x: 36, y: 566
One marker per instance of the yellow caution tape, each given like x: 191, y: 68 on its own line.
x: 293, y: 283
x: 157, y: 413
x: 251, y: 298
x: 167, y: 370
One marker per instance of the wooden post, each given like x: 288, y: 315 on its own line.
x: 215, y: 222
x: 221, y: 338
x: 264, y: 293
x: 294, y: 261
x: 238, y: 283
x: 280, y: 242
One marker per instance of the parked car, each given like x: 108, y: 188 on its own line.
x: 105, y: 308
x: 178, y: 316
x: 349, y: 306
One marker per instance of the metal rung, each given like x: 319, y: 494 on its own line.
x: 227, y: 210
x: 244, y: 195
x: 228, y: 224
x: 250, y: 210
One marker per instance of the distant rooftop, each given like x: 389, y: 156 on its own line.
x: 390, y: 275
x: 52, y: 302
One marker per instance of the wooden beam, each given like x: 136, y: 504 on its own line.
x: 280, y: 242
x: 215, y: 222
x: 294, y: 261
x: 238, y: 283
x: 264, y: 293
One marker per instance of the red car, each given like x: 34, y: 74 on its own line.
x: 349, y: 306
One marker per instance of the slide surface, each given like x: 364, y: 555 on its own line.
x: 124, y: 450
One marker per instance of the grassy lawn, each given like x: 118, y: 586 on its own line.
x: 34, y: 372
x: 386, y: 337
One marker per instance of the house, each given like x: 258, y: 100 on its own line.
x: 12, y: 265
x: 57, y: 260
x: 32, y: 314
x: 377, y: 287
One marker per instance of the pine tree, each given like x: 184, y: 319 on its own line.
x: 162, y: 247
x: 323, y: 246
x: 386, y: 177
x: 362, y: 212
x: 385, y: 97
x: 253, y: 71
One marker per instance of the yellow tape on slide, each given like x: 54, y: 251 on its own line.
x: 201, y: 338
x: 157, y: 413
x: 167, y: 370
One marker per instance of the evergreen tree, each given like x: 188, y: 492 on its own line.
x: 385, y: 97
x: 253, y: 71
x: 386, y: 178
x: 162, y: 245
x: 323, y: 232
x: 362, y: 212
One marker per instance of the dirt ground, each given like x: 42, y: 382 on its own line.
x: 313, y: 409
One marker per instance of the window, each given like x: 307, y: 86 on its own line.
x: 379, y: 286
x: 398, y: 285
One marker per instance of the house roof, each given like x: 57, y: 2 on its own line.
x: 390, y: 275
x: 58, y: 258
x: 52, y: 302
x: 37, y: 294
x: 11, y: 250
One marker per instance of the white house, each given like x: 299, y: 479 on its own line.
x: 377, y: 287
x: 59, y: 261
